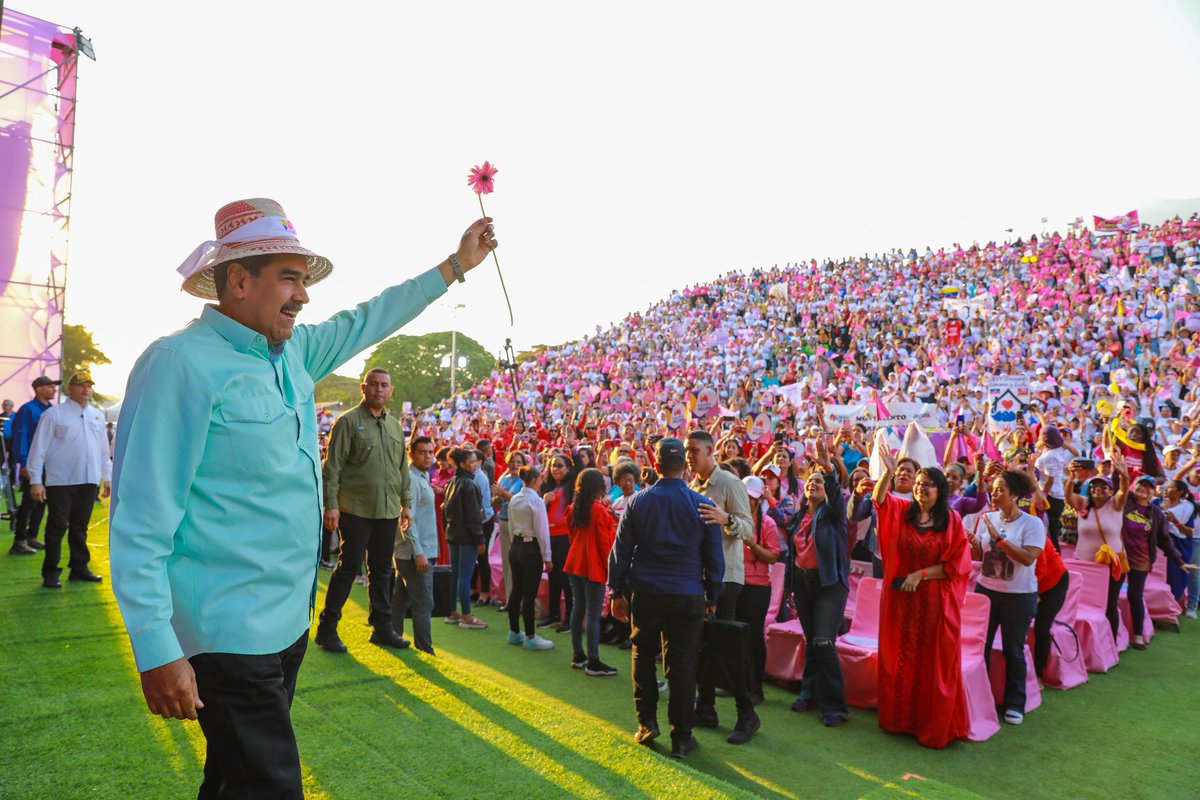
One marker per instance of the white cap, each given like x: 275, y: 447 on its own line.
x: 754, y: 486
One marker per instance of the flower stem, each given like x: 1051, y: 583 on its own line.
x: 498, y: 272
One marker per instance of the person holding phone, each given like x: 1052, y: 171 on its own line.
x: 1009, y: 544
x: 926, y: 560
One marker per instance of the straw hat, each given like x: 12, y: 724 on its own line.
x: 255, y: 227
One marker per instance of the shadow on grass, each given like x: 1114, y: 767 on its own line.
x: 70, y: 695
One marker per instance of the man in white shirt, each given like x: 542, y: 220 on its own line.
x: 71, y: 445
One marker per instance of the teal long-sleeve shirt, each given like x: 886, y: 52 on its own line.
x: 216, y: 506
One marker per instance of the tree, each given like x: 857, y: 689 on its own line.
x: 415, y: 364
x: 339, y: 389
x: 79, y: 351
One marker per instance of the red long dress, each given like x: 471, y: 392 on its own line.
x: 920, y: 666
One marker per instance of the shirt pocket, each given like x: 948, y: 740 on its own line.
x: 258, y: 433
x: 60, y: 430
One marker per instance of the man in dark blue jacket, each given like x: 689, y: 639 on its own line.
x: 666, y: 568
x: 29, y: 513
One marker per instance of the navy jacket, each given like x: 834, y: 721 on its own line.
x: 830, y: 532
x: 663, y: 545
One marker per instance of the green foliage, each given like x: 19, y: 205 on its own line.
x: 339, y: 389
x: 415, y: 364
x: 79, y: 351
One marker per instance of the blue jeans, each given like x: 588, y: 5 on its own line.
x: 1177, y: 578
x: 821, y: 610
x: 589, y: 595
x: 1012, y: 613
x: 462, y: 565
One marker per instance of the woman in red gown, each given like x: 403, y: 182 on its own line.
x: 926, y: 563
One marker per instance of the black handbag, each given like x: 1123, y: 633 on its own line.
x: 443, y: 590
x: 726, y: 660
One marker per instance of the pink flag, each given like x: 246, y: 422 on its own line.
x: 881, y: 411
x: 989, y: 448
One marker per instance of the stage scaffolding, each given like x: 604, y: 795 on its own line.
x: 38, y: 71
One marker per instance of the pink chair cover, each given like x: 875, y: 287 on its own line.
x: 1160, y: 603
x: 858, y: 570
x: 785, y: 650
x: 858, y: 648
x: 542, y: 603
x: 499, y: 590
x: 1100, y: 652
x: 1033, y: 692
x: 1065, y: 667
x: 981, y: 705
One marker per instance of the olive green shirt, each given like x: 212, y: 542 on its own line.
x: 366, y: 468
x: 730, y: 495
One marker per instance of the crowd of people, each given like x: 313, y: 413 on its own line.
x: 549, y: 455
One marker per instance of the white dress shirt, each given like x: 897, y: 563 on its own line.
x: 527, y: 519
x: 70, y: 443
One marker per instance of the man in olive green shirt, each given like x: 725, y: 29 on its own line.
x: 367, y: 493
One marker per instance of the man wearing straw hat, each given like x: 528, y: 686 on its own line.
x: 216, y: 509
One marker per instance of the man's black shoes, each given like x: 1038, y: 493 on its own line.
x: 51, y: 583
x: 682, y: 748
x: 329, y: 641
x: 646, y: 733
x: 745, y: 728
x: 388, y: 638
x: 705, y: 716
x: 86, y: 577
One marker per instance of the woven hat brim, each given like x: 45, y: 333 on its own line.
x: 203, y: 285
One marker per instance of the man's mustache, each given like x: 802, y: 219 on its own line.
x: 294, y: 308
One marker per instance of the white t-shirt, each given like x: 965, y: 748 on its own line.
x: 1000, y: 573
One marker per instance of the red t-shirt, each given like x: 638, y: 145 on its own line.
x: 1049, y: 568
x: 806, y: 547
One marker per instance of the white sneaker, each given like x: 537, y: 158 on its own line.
x: 538, y: 643
x: 1190, y: 613
x: 1013, y: 717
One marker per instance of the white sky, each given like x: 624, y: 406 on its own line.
x: 641, y: 146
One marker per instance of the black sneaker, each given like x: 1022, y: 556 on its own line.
x: 35, y: 544
x: 579, y: 661
x: 329, y: 641
x: 682, y: 748
x: 546, y: 623
x: 388, y: 638
x: 564, y: 628
x: 20, y: 548
x: 598, y: 669
x: 745, y: 729
x: 647, y: 733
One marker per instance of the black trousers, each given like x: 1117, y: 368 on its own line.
x: 70, y: 510
x: 525, y: 563
x: 374, y: 539
x: 483, y: 567
x: 557, y: 580
x: 247, y: 722
x: 29, y: 515
x: 727, y: 605
x: 1056, y: 511
x: 675, y: 623
x: 1012, y: 614
x: 752, y: 607
x: 1050, y: 602
x: 822, y: 610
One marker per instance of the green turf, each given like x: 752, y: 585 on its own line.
x: 488, y: 720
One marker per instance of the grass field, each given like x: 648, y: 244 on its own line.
x: 484, y: 719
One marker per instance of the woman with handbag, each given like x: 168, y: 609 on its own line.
x: 1101, y: 513
x: 755, y: 600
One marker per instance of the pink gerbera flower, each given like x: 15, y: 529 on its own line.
x: 481, y: 178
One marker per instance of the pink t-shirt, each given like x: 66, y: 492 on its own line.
x: 806, y: 546
x: 758, y: 572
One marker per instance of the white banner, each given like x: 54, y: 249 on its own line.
x: 967, y: 307
x: 900, y: 415
x: 1007, y: 395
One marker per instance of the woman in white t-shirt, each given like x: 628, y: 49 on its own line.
x: 1009, y: 543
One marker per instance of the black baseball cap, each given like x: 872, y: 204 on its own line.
x: 42, y: 380
x: 669, y: 449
